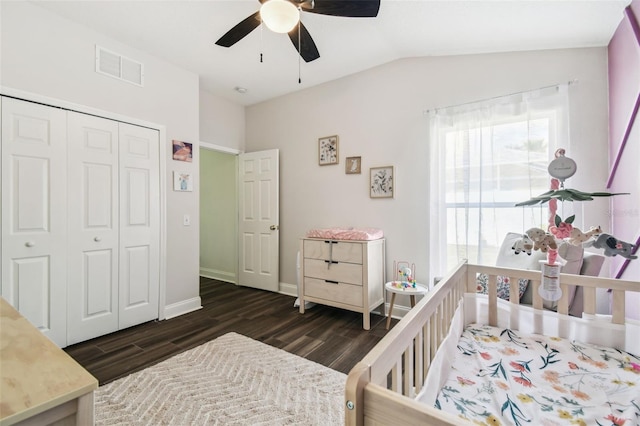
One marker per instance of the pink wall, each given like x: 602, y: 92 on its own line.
x: 624, y: 137
x: 624, y: 84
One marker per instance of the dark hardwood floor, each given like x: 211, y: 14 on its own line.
x: 329, y: 336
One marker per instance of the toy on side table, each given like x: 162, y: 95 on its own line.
x: 404, y: 275
x: 404, y: 282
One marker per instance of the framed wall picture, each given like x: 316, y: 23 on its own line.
x: 352, y: 165
x: 182, y: 151
x: 182, y: 181
x: 381, y: 182
x: 328, y: 150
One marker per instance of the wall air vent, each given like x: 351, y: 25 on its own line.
x: 118, y: 66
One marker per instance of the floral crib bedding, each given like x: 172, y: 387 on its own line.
x: 502, y: 377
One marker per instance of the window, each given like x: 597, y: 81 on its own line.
x: 486, y: 157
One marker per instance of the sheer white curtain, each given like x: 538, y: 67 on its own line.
x: 484, y: 158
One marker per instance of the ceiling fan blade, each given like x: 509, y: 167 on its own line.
x: 238, y: 32
x: 347, y: 8
x: 308, y: 51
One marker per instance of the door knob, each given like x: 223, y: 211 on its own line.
x: 29, y: 244
x: 273, y: 227
x: 97, y: 239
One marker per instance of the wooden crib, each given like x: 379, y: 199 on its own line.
x: 380, y: 389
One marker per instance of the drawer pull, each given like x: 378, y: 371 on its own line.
x: 330, y: 242
x: 331, y: 282
x: 329, y: 262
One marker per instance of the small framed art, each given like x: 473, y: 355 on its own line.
x: 182, y: 151
x: 381, y: 182
x: 352, y: 165
x: 182, y: 181
x: 328, y: 150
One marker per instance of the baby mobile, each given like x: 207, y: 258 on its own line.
x: 562, y: 168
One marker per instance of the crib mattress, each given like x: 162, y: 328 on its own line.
x: 503, y: 377
x: 360, y: 234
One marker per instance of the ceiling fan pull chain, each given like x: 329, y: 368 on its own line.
x: 299, y: 49
x: 261, y: 40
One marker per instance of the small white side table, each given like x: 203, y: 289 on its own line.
x: 410, y: 291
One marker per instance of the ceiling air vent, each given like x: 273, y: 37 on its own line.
x: 118, y: 66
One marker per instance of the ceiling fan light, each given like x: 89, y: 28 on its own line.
x: 280, y: 16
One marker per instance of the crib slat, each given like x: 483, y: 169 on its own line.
x: 589, y: 300
x: 433, y: 325
x: 407, y: 378
x: 419, y: 376
x: 617, y: 306
x: 563, y: 303
x: 472, y: 284
x: 537, y: 300
x: 426, y: 347
x: 493, y: 300
x: 514, y: 291
x: 396, y: 376
x: 438, y: 317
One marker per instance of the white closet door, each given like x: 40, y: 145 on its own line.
x: 34, y: 219
x: 92, y: 226
x: 139, y: 248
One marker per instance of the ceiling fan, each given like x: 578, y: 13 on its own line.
x: 289, y: 10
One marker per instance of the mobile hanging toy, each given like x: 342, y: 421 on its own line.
x: 562, y: 230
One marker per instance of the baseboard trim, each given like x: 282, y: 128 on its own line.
x: 183, y: 307
x: 214, y: 274
x: 288, y: 289
x: 399, y: 311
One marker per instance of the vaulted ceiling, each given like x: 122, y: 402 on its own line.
x: 184, y: 33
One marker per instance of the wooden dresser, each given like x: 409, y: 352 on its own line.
x: 40, y: 384
x: 343, y: 273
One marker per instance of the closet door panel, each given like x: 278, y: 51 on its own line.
x: 33, y: 215
x: 93, y: 226
x: 139, y: 248
x: 32, y: 281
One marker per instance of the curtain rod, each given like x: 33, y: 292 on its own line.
x: 569, y: 83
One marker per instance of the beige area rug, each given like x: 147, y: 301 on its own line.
x: 232, y: 380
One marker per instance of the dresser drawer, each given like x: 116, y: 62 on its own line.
x: 336, y: 292
x: 340, y: 251
x: 340, y: 271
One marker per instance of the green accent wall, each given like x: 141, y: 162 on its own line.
x: 218, y: 215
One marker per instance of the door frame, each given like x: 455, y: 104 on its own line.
x: 163, y: 153
x: 235, y: 152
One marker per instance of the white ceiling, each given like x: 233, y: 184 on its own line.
x: 184, y: 32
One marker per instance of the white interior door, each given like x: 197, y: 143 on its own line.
x: 34, y: 234
x: 259, y: 220
x: 139, y: 249
x: 93, y: 227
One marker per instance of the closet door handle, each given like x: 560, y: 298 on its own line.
x: 97, y: 239
x: 29, y: 244
x: 274, y: 227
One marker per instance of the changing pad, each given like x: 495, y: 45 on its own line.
x: 361, y: 234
